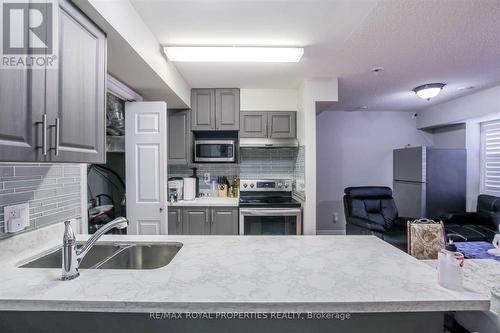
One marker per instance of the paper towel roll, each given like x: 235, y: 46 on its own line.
x: 189, y: 188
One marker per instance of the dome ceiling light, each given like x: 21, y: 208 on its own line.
x: 428, y: 91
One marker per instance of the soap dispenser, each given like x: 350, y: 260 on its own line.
x: 450, y: 265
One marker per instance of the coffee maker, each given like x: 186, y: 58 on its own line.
x: 175, y: 189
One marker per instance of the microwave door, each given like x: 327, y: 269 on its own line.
x: 214, y: 151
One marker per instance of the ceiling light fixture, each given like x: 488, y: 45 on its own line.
x: 233, y: 53
x: 428, y: 91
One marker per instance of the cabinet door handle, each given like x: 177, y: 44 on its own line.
x: 178, y: 217
x: 57, y: 136
x: 43, y: 147
x: 212, y: 216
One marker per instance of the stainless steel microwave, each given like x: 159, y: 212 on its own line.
x: 214, y: 151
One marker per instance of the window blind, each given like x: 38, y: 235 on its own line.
x: 490, y: 157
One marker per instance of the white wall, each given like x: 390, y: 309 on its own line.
x: 312, y: 91
x: 268, y: 99
x: 453, y: 136
x: 123, y: 17
x: 461, y: 109
x: 355, y: 149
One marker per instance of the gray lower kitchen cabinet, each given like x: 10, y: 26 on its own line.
x: 179, y: 137
x: 203, y: 109
x: 174, y: 221
x: 224, y: 221
x: 76, y: 90
x: 195, y: 221
x: 282, y: 125
x: 253, y: 124
x: 227, y: 109
x: 58, y: 114
x: 215, y: 109
x: 192, y: 220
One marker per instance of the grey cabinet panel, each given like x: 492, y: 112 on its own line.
x: 253, y: 124
x: 179, y: 137
x: 17, y: 122
x: 174, y: 221
x: 76, y: 90
x: 282, y: 124
x: 203, y: 109
x: 22, y: 104
x: 195, y: 221
x: 227, y: 109
x: 224, y: 221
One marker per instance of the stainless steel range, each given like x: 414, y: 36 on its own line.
x: 267, y: 208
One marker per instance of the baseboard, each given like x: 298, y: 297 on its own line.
x: 330, y: 232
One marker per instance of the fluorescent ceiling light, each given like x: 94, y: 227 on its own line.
x: 428, y: 91
x: 233, y: 53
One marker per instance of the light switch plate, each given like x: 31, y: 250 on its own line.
x: 17, y: 217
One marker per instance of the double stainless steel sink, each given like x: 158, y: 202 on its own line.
x: 114, y: 256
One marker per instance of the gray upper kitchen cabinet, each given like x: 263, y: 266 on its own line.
x: 282, y: 124
x: 174, y: 221
x: 253, y: 124
x: 22, y: 111
x: 266, y: 124
x: 195, y: 221
x: 203, y: 109
x: 75, y: 91
x: 179, y: 137
x: 224, y: 221
x: 227, y: 109
x: 215, y: 109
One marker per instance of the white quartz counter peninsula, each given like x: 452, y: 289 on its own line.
x: 356, y: 274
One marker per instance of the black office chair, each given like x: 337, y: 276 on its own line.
x: 371, y: 210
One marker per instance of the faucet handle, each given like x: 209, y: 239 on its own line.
x: 69, y: 236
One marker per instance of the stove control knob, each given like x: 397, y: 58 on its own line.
x: 280, y: 185
x: 252, y: 185
x: 245, y: 185
x: 287, y: 185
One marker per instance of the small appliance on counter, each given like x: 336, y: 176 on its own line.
x: 189, y: 188
x: 175, y: 189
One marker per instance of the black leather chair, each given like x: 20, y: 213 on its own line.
x: 371, y: 210
x: 479, y: 226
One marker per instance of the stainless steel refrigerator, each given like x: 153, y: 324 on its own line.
x: 429, y: 182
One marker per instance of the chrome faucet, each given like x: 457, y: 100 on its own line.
x: 72, y: 256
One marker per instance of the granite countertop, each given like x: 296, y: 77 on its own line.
x: 480, y: 275
x: 207, y: 201
x: 242, y: 273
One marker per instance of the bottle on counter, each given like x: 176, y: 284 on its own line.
x: 235, y: 187
x: 214, y: 188
x: 450, y: 266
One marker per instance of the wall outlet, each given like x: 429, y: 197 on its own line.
x: 335, y: 217
x: 206, y: 177
x: 17, y: 217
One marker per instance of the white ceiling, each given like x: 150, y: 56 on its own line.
x: 417, y: 41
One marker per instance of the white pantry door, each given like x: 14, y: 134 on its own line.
x: 146, y: 167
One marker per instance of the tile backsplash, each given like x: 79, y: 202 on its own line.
x: 254, y: 163
x: 52, y: 191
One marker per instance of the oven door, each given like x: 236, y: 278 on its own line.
x: 214, y: 151
x: 270, y: 221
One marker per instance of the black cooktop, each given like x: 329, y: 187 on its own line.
x: 268, y: 201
